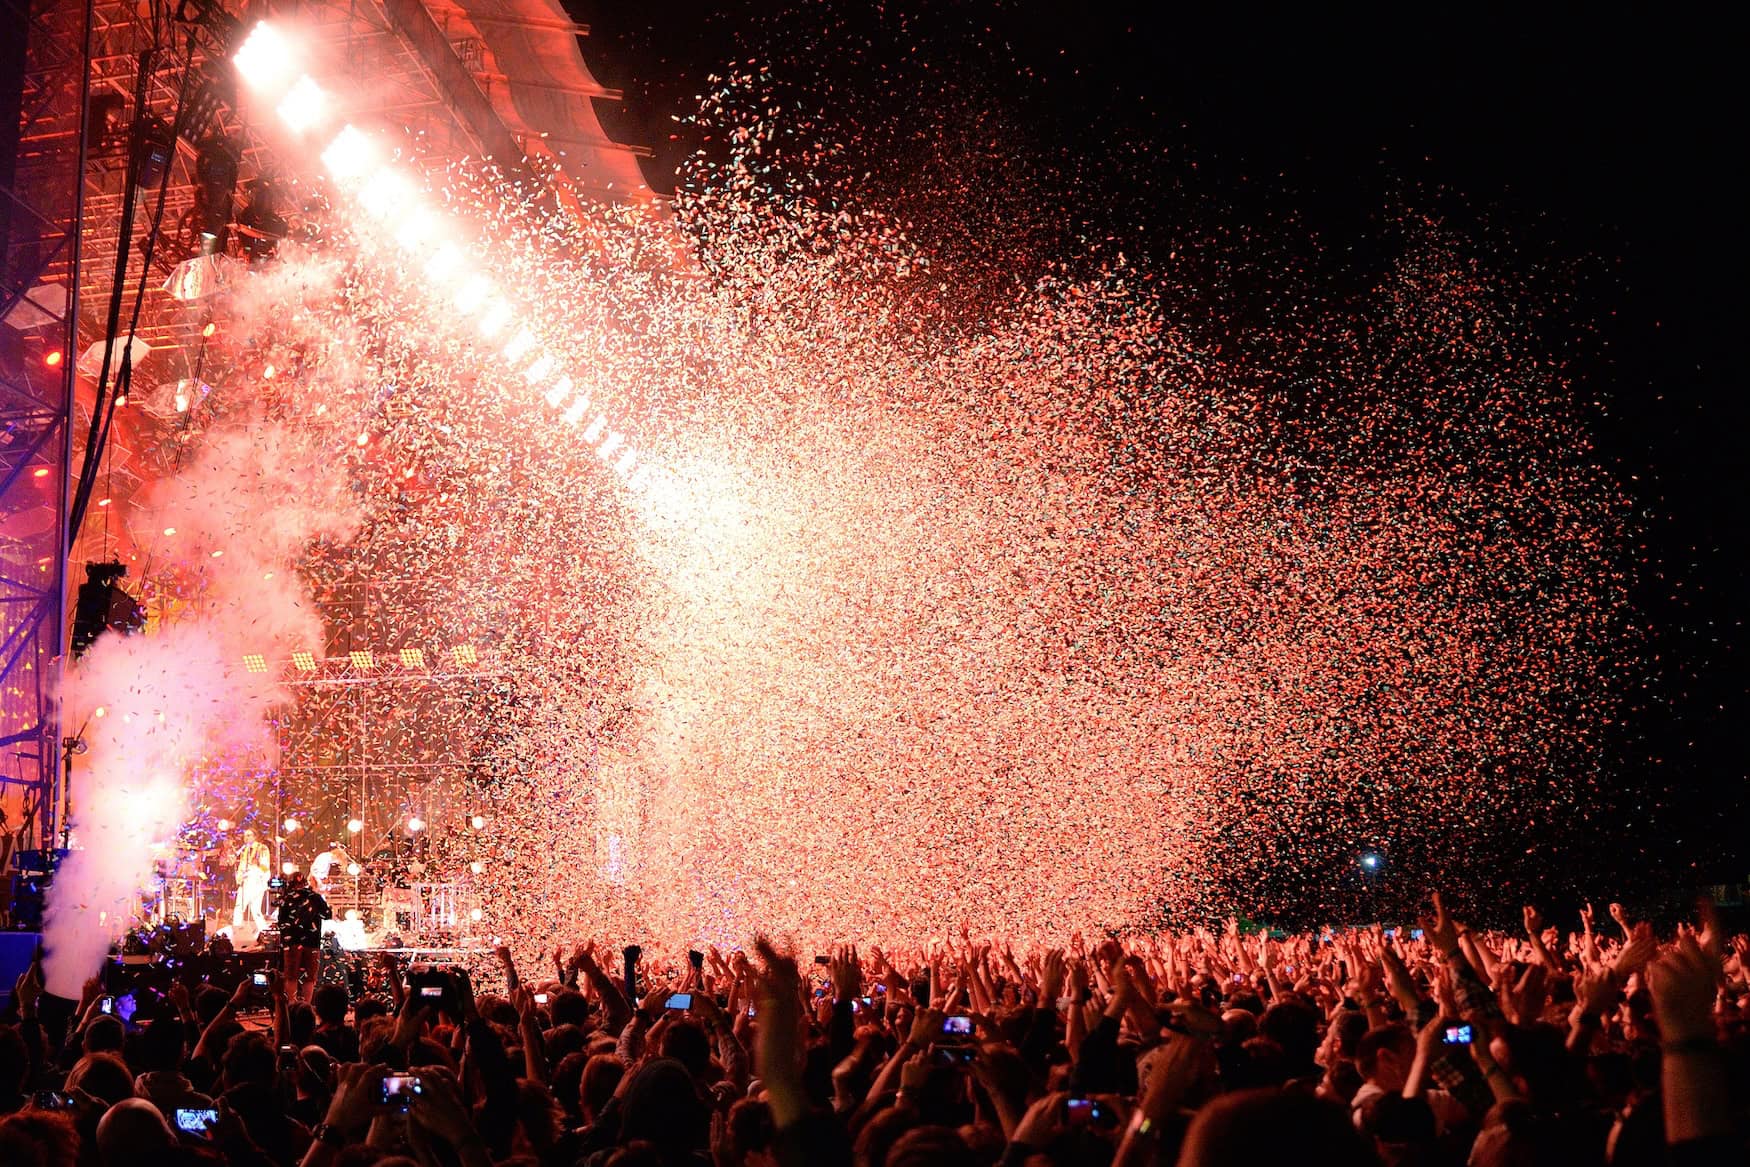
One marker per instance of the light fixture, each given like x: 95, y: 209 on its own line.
x: 224, y: 824
x: 416, y: 824
x: 304, y: 105
x: 264, y: 59
x: 255, y: 662
x: 476, y: 915
x: 291, y: 825
x: 387, y: 193
x: 349, y: 155
x: 476, y: 867
x: 478, y: 822
x: 288, y: 867
x: 355, y: 825
x: 353, y: 869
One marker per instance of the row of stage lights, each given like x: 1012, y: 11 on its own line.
x: 365, y: 660
x: 267, y: 63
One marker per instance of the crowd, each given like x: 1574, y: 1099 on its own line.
x: 1433, y: 1045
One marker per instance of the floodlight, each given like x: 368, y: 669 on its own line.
x: 304, y: 105
x: 350, y: 155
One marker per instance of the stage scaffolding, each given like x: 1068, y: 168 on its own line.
x: 85, y: 75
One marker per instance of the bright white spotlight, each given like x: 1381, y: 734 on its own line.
x: 475, y: 914
x: 291, y: 825
x: 477, y: 867
x: 472, y: 294
x: 288, y: 867
x: 264, y: 59
x: 350, y: 155
x: 444, y: 263
x: 496, y: 316
x: 387, y: 193
x: 559, y: 392
x: 624, y: 466
x: 304, y: 105
x: 575, y: 411
x: 538, y: 371
x: 416, y: 230
x: 593, y: 434
x: 353, y: 869
x: 416, y: 824
x: 519, y: 345
x: 355, y: 825
x: 478, y: 822
x: 615, y: 440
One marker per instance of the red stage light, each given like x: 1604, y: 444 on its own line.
x: 53, y: 360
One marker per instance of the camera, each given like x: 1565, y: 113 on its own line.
x: 957, y: 1028
x: 540, y: 998
x: 399, y: 1090
x: 106, y: 1004
x: 679, y: 1001
x: 196, y: 1122
x: 433, y: 984
x: 1457, y: 1035
x: 1088, y: 1112
x: 259, y: 978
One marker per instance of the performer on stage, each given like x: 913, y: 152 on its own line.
x: 328, y: 867
x: 251, y: 876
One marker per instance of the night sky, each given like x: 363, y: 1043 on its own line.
x: 1598, y: 147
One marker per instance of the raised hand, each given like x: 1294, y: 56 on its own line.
x: 1533, y: 922
x: 1051, y: 976
x: 1634, y: 955
x: 357, y: 1096
x: 1440, y: 930
x: 1684, y: 983
x: 847, y: 974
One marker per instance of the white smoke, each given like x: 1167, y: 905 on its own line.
x: 152, y: 706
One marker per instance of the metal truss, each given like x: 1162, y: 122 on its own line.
x: 93, y: 69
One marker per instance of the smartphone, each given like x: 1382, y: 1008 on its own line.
x: 696, y: 958
x: 434, y: 992
x: 958, y: 1026
x: 1391, y: 933
x: 679, y: 1001
x: 288, y: 1053
x: 1415, y: 934
x: 399, y: 1090
x: 258, y: 978
x: 751, y: 1012
x: 277, y: 883
x: 106, y: 1005
x: 51, y: 1100
x: 1087, y: 1112
x: 540, y: 998
x: 955, y: 1055
x: 196, y: 1122
x: 1239, y: 978
x: 1457, y: 1035
x: 823, y: 960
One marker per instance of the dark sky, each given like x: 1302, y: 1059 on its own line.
x: 1608, y: 138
